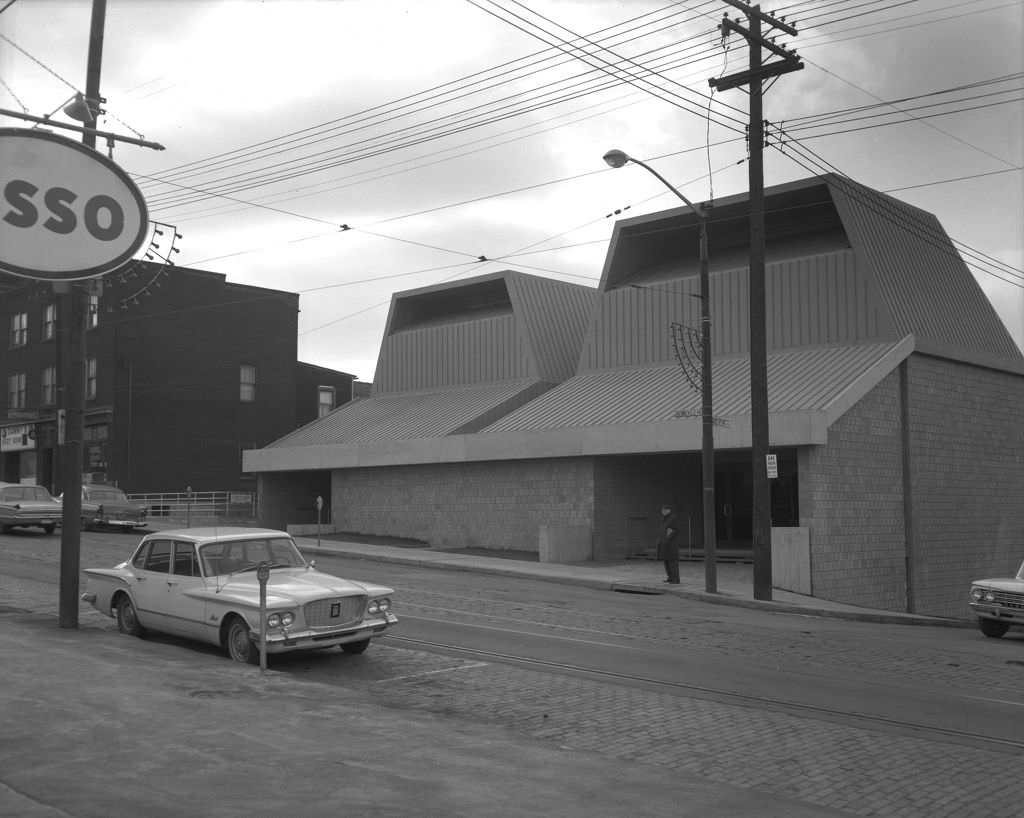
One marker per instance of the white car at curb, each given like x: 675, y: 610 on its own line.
x: 203, y: 583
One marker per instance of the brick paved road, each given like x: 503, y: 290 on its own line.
x: 876, y: 772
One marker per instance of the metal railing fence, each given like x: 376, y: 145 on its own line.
x: 192, y: 507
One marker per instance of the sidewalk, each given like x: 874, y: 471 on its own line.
x: 734, y: 581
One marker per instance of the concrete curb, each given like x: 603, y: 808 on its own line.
x: 496, y: 566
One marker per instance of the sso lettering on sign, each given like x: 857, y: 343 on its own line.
x: 66, y: 211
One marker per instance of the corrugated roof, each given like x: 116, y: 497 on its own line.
x: 802, y: 380
x: 924, y: 282
x: 412, y: 415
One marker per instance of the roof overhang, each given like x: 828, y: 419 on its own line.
x: 804, y: 426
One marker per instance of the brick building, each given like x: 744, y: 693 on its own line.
x: 184, y: 371
x: 511, y: 412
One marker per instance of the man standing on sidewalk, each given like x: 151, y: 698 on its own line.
x: 668, y: 551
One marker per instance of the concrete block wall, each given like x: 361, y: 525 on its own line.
x: 966, y: 432
x: 497, y: 505
x: 851, y: 500
x: 628, y: 493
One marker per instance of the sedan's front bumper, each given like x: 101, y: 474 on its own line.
x: 119, y: 523
x: 283, y: 641
x: 992, y: 610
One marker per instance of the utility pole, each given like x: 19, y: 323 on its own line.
x: 754, y: 77
x: 74, y: 298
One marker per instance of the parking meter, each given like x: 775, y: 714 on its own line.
x: 319, y: 508
x: 262, y: 576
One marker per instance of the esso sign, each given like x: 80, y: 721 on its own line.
x: 66, y: 211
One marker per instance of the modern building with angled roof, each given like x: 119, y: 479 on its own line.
x: 514, y: 412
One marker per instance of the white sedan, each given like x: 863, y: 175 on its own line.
x: 999, y: 603
x: 204, y: 583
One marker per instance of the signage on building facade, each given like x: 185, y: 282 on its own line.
x: 66, y: 211
x: 17, y: 438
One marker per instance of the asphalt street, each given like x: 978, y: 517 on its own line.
x: 101, y: 724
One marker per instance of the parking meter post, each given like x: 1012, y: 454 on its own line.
x: 188, y: 506
x: 319, y: 508
x: 262, y: 575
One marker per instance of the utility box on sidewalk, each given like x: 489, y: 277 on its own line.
x: 566, y: 543
x: 791, y: 559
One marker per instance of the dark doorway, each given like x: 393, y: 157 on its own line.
x: 734, y: 498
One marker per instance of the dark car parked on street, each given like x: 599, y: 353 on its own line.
x: 108, y: 507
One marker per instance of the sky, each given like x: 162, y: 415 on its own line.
x: 347, y: 150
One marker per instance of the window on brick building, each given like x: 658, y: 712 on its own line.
x: 93, y: 312
x: 90, y: 379
x: 324, y: 400
x: 16, y: 391
x: 19, y: 329
x: 48, y: 390
x: 49, y: 322
x: 247, y: 391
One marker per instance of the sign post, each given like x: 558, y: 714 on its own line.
x: 68, y: 214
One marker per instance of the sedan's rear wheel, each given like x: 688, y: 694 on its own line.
x: 992, y: 628
x: 127, y: 618
x: 239, y: 643
x: 356, y: 647
x: 49, y: 529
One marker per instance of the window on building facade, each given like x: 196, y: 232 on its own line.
x: 19, y: 329
x: 324, y: 400
x: 247, y: 392
x: 93, y: 312
x: 90, y: 379
x: 16, y: 391
x: 48, y: 393
x: 100, y: 431
x: 49, y: 322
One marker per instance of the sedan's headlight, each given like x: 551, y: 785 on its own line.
x: 976, y: 593
x: 280, y: 620
x: 377, y: 606
x: 990, y: 596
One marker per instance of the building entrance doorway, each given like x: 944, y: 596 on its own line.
x: 734, y: 500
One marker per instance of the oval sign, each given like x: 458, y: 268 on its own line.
x: 66, y: 211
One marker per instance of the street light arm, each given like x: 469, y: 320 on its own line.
x: 667, y: 184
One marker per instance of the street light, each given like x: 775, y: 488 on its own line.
x: 616, y: 159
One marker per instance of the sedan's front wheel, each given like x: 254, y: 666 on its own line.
x: 240, y: 644
x: 356, y: 647
x: 990, y: 627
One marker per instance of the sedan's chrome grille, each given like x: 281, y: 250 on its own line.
x: 1009, y: 600
x: 337, y: 612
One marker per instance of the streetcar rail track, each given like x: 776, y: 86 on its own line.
x: 744, y: 699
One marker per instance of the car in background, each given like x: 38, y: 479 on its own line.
x: 109, y: 507
x: 24, y: 506
x: 204, y: 583
x: 999, y: 603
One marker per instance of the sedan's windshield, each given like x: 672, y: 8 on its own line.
x: 221, y: 558
x: 105, y: 494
